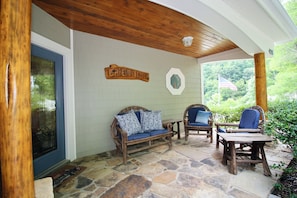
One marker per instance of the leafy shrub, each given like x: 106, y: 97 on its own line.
x: 282, y: 123
x: 227, y: 114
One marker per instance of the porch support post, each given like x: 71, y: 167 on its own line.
x: 260, y: 80
x: 15, y: 109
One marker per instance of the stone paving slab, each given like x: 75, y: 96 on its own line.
x: 131, y: 186
x: 190, y: 169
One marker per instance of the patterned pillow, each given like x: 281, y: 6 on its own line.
x: 151, y: 120
x: 129, y: 123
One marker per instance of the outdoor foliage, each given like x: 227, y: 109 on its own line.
x: 282, y: 123
x: 239, y: 72
x: 224, y: 114
x: 281, y: 82
x: 281, y: 72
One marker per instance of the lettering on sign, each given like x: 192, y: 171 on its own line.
x: 118, y: 72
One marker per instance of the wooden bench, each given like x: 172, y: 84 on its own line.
x: 126, y: 146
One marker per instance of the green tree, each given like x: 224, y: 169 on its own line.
x: 239, y: 72
x: 281, y: 71
x: 282, y: 67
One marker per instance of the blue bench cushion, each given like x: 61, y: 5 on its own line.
x: 157, y: 132
x: 146, y: 134
x: 138, y: 136
x: 137, y: 113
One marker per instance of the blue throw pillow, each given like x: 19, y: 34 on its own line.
x: 202, y: 117
x: 129, y: 123
x: 193, y: 113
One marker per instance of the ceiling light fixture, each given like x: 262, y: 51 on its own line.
x: 187, y: 41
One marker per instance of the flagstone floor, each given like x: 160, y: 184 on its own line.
x: 190, y: 169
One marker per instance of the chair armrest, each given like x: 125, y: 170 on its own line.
x: 243, y: 130
x: 186, y: 121
x: 227, y: 124
x: 210, y: 122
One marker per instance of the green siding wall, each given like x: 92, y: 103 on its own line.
x: 49, y: 27
x: 98, y: 99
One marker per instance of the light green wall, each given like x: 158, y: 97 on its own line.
x: 49, y: 27
x: 97, y: 99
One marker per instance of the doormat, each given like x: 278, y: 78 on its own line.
x: 65, y: 174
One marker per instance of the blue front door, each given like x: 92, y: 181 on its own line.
x: 47, y: 109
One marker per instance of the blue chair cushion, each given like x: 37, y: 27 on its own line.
x: 202, y: 117
x: 138, y: 136
x: 192, y: 113
x: 249, y: 119
x: 157, y: 132
x: 222, y: 130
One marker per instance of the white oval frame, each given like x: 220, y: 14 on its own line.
x: 170, y: 73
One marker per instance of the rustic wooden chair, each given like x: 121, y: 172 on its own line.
x: 198, y: 118
x: 252, y: 121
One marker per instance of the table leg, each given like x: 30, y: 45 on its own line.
x: 264, y: 161
x: 255, y: 152
x: 178, y: 130
x: 210, y: 132
x: 225, y: 153
x: 173, y: 131
x: 233, y: 164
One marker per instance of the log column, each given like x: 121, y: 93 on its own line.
x: 15, y: 109
x: 260, y: 80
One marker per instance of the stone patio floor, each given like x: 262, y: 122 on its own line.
x: 189, y: 169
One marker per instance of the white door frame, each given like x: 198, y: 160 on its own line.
x: 68, y: 75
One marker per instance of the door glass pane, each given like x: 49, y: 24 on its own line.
x: 43, y: 106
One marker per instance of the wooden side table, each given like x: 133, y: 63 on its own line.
x: 258, y: 141
x: 173, y: 122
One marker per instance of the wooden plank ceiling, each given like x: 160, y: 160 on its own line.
x: 139, y: 22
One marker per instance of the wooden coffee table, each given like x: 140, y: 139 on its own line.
x: 257, y: 141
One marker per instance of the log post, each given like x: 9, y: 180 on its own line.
x: 15, y: 109
x: 260, y: 80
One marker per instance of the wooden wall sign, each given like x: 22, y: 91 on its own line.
x: 118, y: 72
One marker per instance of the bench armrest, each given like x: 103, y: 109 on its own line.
x: 227, y: 124
x: 123, y: 134
x: 243, y: 130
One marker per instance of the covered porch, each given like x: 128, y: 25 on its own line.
x: 16, y: 145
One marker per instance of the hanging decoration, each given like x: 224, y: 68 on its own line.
x: 119, y: 72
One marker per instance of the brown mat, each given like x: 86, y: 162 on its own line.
x: 65, y: 174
